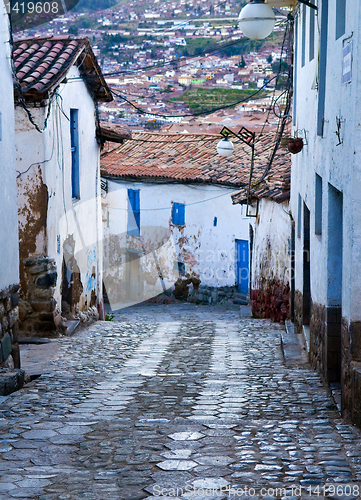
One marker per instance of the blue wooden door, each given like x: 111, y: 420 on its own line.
x: 242, y: 265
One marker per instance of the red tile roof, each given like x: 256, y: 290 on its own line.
x: 193, y: 158
x: 41, y: 63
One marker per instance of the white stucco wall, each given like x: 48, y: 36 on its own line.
x: 338, y: 165
x: 208, y: 251
x: 271, y: 245
x: 9, y: 261
x: 67, y: 219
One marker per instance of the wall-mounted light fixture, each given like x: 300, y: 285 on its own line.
x: 257, y: 19
x: 225, y: 148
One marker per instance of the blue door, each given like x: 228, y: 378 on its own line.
x: 242, y: 277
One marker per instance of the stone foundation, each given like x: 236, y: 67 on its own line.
x: 351, y: 370
x: 40, y: 316
x: 317, y: 337
x: 298, y: 311
x: 9, y: 327
x: 272, y: 302
x: 212, y: 295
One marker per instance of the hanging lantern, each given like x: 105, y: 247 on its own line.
x: 225, y: 147
x: 256, y: 20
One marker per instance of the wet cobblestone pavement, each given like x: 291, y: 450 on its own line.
x: 176, y: 397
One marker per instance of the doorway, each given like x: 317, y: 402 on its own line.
x: 306, y: 303
x: 242, y: 266
x: 332, y: 347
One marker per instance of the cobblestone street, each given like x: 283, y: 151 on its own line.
x: 167, y: 397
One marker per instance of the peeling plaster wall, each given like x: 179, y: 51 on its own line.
x: 208, y: 252
x: 9, y: 260
x: 271, y: 244
x: 69, y: 229
x: 271, y: 261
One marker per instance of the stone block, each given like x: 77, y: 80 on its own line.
x: 5, y: 324
x: 11, y: 381
x: 30, y: 262
x: 6, y: 346
x: 44, y: 305
x: 37, y: 269
x: 13, y: 316
x: 42, y: 293
x: 45, y: 260
x: 46, y: 280
x: 14, y: 299
x: 46, y: 316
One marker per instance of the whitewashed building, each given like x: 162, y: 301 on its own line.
x: 58, y: 142
x: 169, y: 221
x: 270, y: 241
x: 9, y: 250
x: 325, y: 192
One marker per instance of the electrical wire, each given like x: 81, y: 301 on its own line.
x: 207, y: 112
x: 169, y: 208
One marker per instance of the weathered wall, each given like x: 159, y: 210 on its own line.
x: 207, y: 251
x: 9, y: 249
x: 335, y: 156
x: 51, y: 223
x: 9, y: 274
x: 271, y: 261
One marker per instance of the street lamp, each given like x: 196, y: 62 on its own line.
x: 257, y: 20
x: 225, y: 148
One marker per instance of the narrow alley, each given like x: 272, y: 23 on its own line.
x: 174, y: 401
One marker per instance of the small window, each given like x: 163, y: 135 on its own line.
x: 215, y: 221
x: 181, y: 268
x: 133, y: 228
x: 178, y: 214
x: 74, y: 143
x: 303, y: 53
x: 312, y: 34
x: 340, y: 18
x: 318, y: 205
x: 299, y: 217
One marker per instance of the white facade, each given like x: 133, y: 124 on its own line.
x: 51, y: 222
x: 325, y: 192
x: 9, y: 260
x: 204, y: 246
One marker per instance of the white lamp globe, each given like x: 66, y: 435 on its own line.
x: 256, y: 20
x: 225, y: 147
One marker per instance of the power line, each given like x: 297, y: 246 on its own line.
x: 200, y: 113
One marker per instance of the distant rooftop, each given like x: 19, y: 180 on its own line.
x: 192, y: 158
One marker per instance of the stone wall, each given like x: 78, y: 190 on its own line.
x: 317, y: 337
x: 40, y: 315
x: 351, y: 370
x: 9, y: 315
x: 272, y: 302
x: 212, y: 295
x: 298, y: 311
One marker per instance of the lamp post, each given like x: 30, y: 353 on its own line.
x: 225, y: 148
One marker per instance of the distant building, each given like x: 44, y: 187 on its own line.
x: 169, y: 222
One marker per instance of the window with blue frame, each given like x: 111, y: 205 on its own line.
x: 133, y: 228
x: 178, y: 214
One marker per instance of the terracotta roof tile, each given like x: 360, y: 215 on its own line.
x: 193, y: 158
x: 41, y: 63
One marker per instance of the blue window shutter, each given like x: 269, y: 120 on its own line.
x: 178, y: 214
x: 134, y: 216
